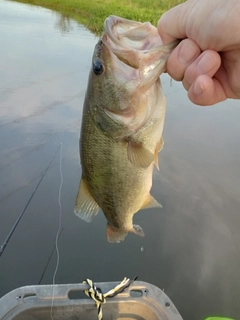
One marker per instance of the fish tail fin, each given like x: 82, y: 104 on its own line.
x: 115, y: 235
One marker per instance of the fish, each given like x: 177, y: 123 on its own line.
x: 122, y: 125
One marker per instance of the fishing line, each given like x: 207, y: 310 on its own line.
x: 5, y: 243
x: 48, y: 261
x: 59, y: 227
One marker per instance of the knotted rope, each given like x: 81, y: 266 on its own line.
x: 100, y: 298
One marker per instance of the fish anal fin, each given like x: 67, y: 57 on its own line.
x: 86, y: 207
x: 115, y: 235
x: 151, y: 203
x: 138, y: 230
x: 138, y: 155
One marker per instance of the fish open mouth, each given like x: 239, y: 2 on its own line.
x: 129, y: 40
x: 136, y: 50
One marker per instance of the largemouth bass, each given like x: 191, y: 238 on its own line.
x: 122, y: 125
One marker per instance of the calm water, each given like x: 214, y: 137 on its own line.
x: 192, y: 245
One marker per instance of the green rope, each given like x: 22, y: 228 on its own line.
x: 100, y: 298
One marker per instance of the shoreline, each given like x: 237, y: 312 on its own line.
x: 93, y: 13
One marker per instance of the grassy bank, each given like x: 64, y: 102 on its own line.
x: 92, y: 13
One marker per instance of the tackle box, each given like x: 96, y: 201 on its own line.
x: 140, y: 301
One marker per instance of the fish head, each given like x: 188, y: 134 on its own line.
x: 127, y: 61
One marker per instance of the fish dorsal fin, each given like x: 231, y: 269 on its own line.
x: 151, y: 203
x: 86, y: 207
x: 138, y: 155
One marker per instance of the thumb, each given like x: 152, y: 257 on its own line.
x: 172, y: 24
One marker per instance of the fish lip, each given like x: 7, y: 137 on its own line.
x: 109, y: 24
x: 112, y: 21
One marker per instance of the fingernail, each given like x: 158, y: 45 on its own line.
x: 198, y: 88
x: 187, y: 52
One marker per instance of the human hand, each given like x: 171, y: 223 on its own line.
x: 207, y: 60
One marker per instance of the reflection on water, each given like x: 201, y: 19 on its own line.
x: 192, y: 245
x: 63, y: 23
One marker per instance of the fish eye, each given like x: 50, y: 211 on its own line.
x: 98, y: 67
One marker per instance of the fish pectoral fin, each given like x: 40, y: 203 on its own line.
x: 160, y: 144
x: 138, y: 230
x: 158, y: 148
x: 115, y: 235
x: 86, y: 207
x: 138, y: 155
x: 156, y: 159
x: 151, y: 203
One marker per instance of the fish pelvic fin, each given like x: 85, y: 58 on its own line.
x: 151, y: 203
x: 116, y: 235
x: 86, y: 207
x: 138, y: 155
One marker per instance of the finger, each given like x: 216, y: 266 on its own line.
x: 207, y: 63
x: 228, y: 73
x: 172, y: 24
x: 206, y: 91
x: 182, y: 57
